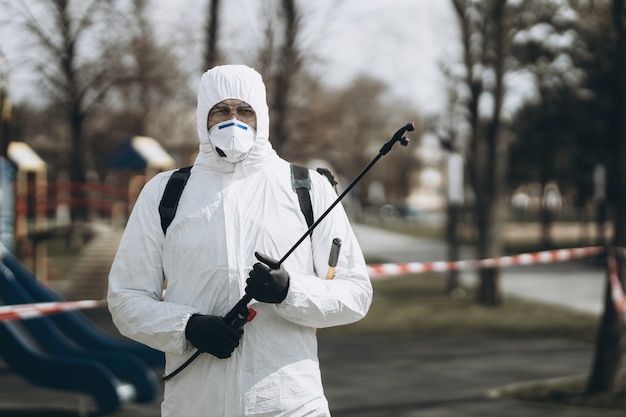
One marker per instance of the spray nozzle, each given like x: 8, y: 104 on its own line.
x: 398, y: 137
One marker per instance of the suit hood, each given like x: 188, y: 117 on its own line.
x: 233, y: 82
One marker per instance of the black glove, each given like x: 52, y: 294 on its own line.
x: 213, y: 335
x: 268, y: 282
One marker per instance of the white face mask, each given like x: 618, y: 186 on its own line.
x: 232, y: 140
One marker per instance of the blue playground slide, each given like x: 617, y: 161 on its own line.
x: 74, y: 324
x: 81, y: 375
x: 82, y: 359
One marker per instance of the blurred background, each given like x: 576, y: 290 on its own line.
x: 514, y: 105
x: 519, y: 109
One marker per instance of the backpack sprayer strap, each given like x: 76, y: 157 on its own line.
x: 171, y: 196
x: 301, y: 184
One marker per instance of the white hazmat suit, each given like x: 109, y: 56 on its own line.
x: 226, y: 213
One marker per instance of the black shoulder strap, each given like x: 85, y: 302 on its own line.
x: 301, y: 184
x: 329, y: 176
x: 171, y: 195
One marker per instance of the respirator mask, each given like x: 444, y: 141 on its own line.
x: 232, y: 140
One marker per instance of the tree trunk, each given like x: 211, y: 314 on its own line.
x: 453, y: 286
x: 546, y: 226
x: 287, y: 69
x: 212, y: 54
x: 494, y: 154
x: 545, y: 214
x: 608, y: 354
x: 489, y: 246
x: 77, y: 168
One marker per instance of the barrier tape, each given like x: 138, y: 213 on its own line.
x: 30, y: 311
x: 390, y: 269
x: 617, y: 291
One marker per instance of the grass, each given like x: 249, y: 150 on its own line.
x: 519, y: 237
x: 417, y: 304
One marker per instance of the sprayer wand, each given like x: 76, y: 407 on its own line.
x: 397, y: 137
x: 240, y: 314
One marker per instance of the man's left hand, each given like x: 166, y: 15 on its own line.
x: 268, y: 282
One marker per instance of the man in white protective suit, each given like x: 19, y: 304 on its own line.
x: 238, y: 213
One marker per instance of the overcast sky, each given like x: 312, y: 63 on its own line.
x: 401, y: 42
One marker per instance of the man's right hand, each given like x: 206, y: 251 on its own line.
x: 211, y: 334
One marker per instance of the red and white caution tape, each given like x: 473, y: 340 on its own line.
x: 522, y: 259
x: 617, y: 292
x: 27, y: 311
x: 30, y: 311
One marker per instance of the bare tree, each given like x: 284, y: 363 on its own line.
x: 608, y: 354
x: 147, y: 74
x: 484, y: 37
x: 150, y: 94
x: 345, y: 128
x: 72, y: 81
x: 212, y: 54
x: 266, y: 51
x: 365, y: 122
x: 142, y: 68
x: 288, y: 67
x: 316, y: 112
x: 279, y: 59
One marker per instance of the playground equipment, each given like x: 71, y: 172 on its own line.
x: 30, y: 205
x: 65, y: 351
x: 137, y: 160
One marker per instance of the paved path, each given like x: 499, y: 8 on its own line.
x: 577, y: 284
x: 376, y: 376
x: 371, y: 376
